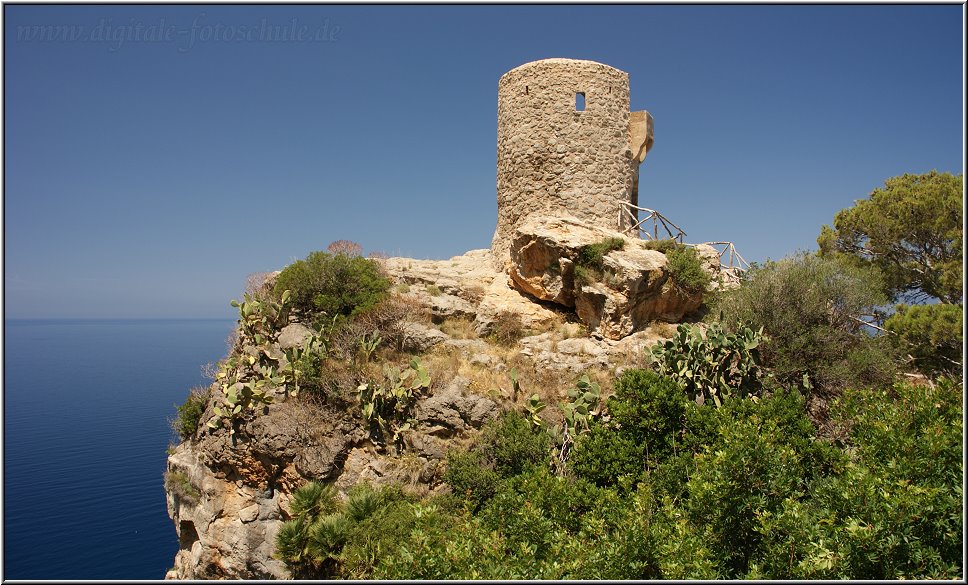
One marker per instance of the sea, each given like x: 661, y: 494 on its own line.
x: 87, y: 406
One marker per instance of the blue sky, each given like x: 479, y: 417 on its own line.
x: 146, y: 177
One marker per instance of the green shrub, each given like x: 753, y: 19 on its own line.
x: 593, y: 255
x: 665, y: 246
x: 647, y: 421
x: 507, y: 446
x: 512, y: 445
x: 326, y: 538
x: 650, y: 409
x: 590, y: 260
x: 608, y: 457
x: 333, y: 284
x: 809, y: 308
x: 931, y: 335
x: 470, y: 477
x: 711, y: 366
x: 190, y: 413
x: 686, y: 269
x: 895, y: 509
x: 178, y: 484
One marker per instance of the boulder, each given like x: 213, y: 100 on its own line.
x: 419, y: 338
x: 451, y: 409
x: 633, y: 289
x: 293, y: 335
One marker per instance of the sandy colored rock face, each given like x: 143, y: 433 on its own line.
x: 635, y: 288
x: 558, y: 155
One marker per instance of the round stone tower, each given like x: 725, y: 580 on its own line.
x: 566, y: 144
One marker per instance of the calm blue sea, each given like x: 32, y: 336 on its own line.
x: 86, y: 411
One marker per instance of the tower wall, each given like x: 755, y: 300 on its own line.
x: 554, y: 159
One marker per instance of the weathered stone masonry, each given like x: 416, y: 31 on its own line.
x: 557, y: 155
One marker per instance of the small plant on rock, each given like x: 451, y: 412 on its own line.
x: 589, y: 263
x: 507, y: 329
x: 178, y: 484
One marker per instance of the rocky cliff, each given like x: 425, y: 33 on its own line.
x: 471, y: 325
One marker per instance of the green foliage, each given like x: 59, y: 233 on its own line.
x: 647, y: 421
x: 507, y: 446
x: 323, y: 534
x: 471, y: 477
x: 510, y: 444
x: 686, y: 270
x: 593, y: 255
x: 665, y: 246
x: 246, y: 379
x: 910, y: 229
x: 710, y: 367
x: 608, y: 457
x: 811, y: 310
x: 590, y: 260
x: 178, y: 484
x: 190, y: 413
x: 742, y: 491
x: 389, y: 406
x: 333, y: 284
x: 895, y: 510
x: 931, y: 335
x: 583, y: 407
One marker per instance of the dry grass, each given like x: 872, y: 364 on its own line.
x: 507, y: 329
x: 473, y: 293
x: 257, y: 284
x: 459, y: 327
x: 569, y: 330
x: 663, y: 329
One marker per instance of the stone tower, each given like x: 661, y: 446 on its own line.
x: 566, y: 144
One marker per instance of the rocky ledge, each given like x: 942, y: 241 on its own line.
x: 228, y: 495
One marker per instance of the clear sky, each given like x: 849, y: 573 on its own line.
x: 146, y: 176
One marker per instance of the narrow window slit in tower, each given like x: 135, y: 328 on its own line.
x: 525, y: 90
x: 580, y: 101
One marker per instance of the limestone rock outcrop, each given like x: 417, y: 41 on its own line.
x: 635, y: 287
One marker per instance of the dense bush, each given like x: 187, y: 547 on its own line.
x: 811, y: 310
x: 190, y: 413
x: 507, y: 446
x: 741, y: 491
x: 895, y: 510
x: 686, y: 269
x: 333, y: 284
